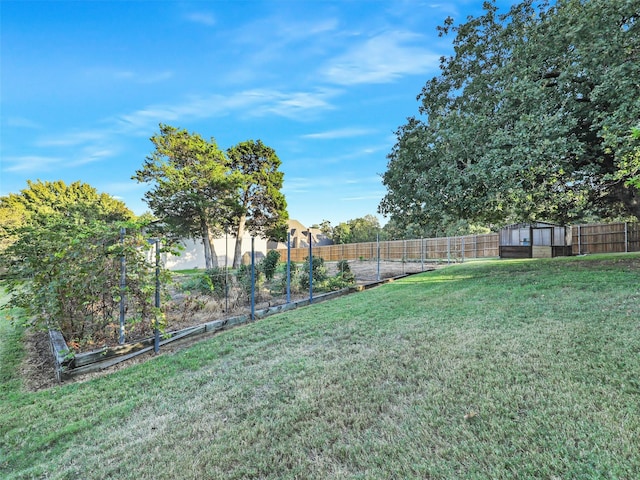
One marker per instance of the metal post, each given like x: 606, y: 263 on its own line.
x: 253, y: 280
x: 626, y: 238
x: 404, y: 253
x: 310, y: 269
x: 378, y: 255
x: 289, y: 267
x: 156, y: 343
x: 123, y: 285
x: 226, y: 272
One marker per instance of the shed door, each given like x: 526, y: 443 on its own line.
x: 542, y: 236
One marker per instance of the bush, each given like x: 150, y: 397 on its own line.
x: 270, y: 264
x: 318, y: 271
x: 65, y: 272
x: 343, y: 267
x: 199, y: 282
x: 218, y: 277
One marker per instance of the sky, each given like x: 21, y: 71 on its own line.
x: 84, y: 84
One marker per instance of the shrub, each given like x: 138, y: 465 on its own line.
x: 66, y: 271
x: 199, y: 282
x: 318, y: 271
x: 218, y: 277
x: 343, y: 267
x: 270, y: 264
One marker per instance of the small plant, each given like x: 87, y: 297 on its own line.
x: 338, y: 282
x: 294, y: 273
x: 343, y: 267
x: 270, y: 264
x: 199, y: 282
x: 218, y: 278
x: 318, y: 271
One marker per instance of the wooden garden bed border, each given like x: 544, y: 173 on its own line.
x: 68, y: 365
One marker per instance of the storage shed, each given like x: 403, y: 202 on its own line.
x: 535, y: 240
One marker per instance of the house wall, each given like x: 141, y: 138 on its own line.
x: 193, y: 254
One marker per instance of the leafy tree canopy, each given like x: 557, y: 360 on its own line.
x: 357, y: 230
x: 191, y: 191
x: 530, y: 119
x: 42, y: 199
x: 261, y: 207
x: 200, y: 191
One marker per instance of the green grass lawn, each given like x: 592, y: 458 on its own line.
x: 500, y: 369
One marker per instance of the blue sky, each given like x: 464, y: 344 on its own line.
x: 84, y: 84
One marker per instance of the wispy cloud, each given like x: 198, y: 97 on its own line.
x: 250, y: 103
x: 203, y: 18
x: 127, y: 75
x: 370, y: 196
x: 382, y: 59
x: 21, y: 122
x: 72, y: 139
x: 340, y: 133
x: 30, y: 164
x: 93, y: 154
x: 293, y: 104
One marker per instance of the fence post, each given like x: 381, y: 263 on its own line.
x: 156, y: 342
x: 378, y: 255
x: 448, y: 250
x: 626, y: 238
x: 422, y: 254
x: 288, y: 267
x: 123, y: 285
x: 310, y: 269
x: 253, y: 280
x: 579, y: 238
x: 462, y: 247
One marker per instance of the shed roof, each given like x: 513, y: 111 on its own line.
x: 531, y: 224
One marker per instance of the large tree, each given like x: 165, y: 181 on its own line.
x: 261, y: 206
x: 192, y: 192
x: 61, y: 254
x: 530, y: 118
x: 58, y: 198
x: 41, y: 200
x: 356, y: 230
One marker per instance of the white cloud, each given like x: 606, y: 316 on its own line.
x: 203, y: 18
x: 21, y: 122
x: 71, y: 139
x: 292, y: 104
x: 31, y: 164
x: 93, y: 154
x: 251, y: 103
x: 382, y: 59
x: 370, y: 196
x: 340, y: 133
x: 122, y: 74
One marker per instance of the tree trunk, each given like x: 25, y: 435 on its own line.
x: 212, y: 250
x: 210, y: 258
x: 237, y: 256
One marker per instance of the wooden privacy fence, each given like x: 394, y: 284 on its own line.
x: 606, y: 238
x: 427, y: 249
x: 595, y: 238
